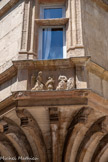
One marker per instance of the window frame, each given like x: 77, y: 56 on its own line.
x: 40, y: 30
x: 40, y: 40
x: 42, y: 7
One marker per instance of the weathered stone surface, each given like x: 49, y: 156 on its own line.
x: 10, y: 35
x: 95, y: 32
x: 54, y: 110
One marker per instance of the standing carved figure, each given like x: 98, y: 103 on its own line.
x: 70, y: 83
x: 62, y: 85
x: 39, y: 85
x: 50, y: 84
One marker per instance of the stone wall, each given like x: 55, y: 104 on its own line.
x: 10, y: 33
x: 95, y: 32
x: 98, y: 84
x: 7, y: 87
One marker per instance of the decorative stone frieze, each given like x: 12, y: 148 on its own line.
x: 39, y: 85
x: 64, y: 83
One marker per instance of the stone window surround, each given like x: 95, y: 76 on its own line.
x: 32, y: 21
x: 51, y: 23
x: 75, y: 47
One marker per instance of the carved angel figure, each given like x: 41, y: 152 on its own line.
x: 62, y: 85
x: 50, y: 84
x: 70, y: 83
x: 39, y: 85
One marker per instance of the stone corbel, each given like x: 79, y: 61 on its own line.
x: 3, y: 126
x: 75, y: 47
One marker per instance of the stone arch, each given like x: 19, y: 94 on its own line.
x: 79, y: 117
x: 16, y: 137
x: 102, y: 143
x: 7, y: 149
x: 86, y: 137
x: 31, y: 127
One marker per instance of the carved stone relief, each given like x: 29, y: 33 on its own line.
x: 50, y: 84
x: 39, y: 85
x: 70, y: 83
x: 63, y: 83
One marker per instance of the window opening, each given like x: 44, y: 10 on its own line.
x: 51, y: 38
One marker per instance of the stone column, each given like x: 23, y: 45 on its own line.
x: 27, y: 49
x: 54, y: 132
x: 75, y: 47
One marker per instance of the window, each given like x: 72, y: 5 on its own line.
x: 52, y: 38
x: 47, y: 12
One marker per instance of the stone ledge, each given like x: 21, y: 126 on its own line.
x: 7, y: 6
x: 98, y: 70
x: 22, y: 95
x: 66, y: 97
x: 46, y: 64
x: 52, y: 22
x: 102, y: 3
x: 6, y: 103
x: 52, y: 98
x: 52, y: 1
x: 45, y: 98
x: 7, y: 74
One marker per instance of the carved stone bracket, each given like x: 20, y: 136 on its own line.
x: 53, y: 111
x: 3, y: 126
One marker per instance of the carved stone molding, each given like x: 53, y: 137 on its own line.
x: 97, y: 70
x: 52, y: 64
x: 7, y: 74
x: 6, y: 6
x: 74, y: 30
x: 102, y: 3
x: 27, y: 42
x: 52, y: 22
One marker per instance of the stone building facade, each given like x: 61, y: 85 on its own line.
x: 54, y: 110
